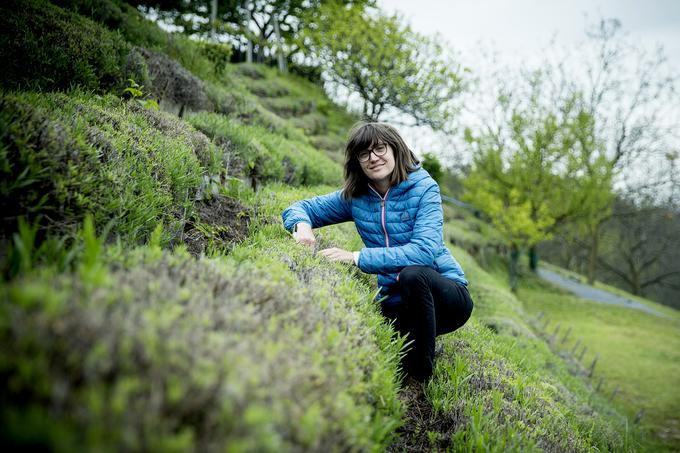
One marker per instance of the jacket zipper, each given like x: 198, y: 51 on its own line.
x: 383, y: 201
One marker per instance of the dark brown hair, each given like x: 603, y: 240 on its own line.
x: 364, y: 135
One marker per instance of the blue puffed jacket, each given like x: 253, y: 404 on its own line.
x: 403, y: 228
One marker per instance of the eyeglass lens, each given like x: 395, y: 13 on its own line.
x: 378, y: 150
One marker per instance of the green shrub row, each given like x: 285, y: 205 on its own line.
x: 205, y: 60
x: 269, y: 156
x: 269, y: 349
x: 86, y: 44
x: 46, y: 47
x: 62, y: 156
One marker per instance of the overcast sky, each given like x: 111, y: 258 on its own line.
x: 521, y: 29
x: 526, y: 26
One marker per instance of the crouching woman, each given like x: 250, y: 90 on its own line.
x: 396, y: 207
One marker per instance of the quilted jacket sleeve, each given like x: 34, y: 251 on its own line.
x: 424, y: 243
x: 319, y: 211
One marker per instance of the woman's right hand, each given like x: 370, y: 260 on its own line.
x: 304, y: 234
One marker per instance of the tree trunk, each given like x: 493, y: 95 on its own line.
x: 249, y: 51
x: 213, y: 20
x: 533, y: 258
x: 636, y: 287
x: 279, y: 47
x: 513, y: 268
x: 592, y: 255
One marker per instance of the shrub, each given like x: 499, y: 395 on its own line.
x: 62, y: 156
x: 218, y: 53
x: 269, y: 156
x: 120, y: 16
x: 252, y: 71
x: 231, y: 100
x: 141, y: 32
x: 106, y: 12
x: 289, y: 106
x: 311, y: 73
x: 45, y: 170
x: 45, y: 47
x: 161, y: 352
x: 169, y: 82
x: 433, y: 166
x: 312, y: 124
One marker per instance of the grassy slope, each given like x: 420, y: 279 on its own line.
x: 638, y: 353
x: 300, y: 359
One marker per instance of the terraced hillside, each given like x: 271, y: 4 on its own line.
x: 151, y: 299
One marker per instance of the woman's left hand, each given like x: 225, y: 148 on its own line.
x: 336, y: 254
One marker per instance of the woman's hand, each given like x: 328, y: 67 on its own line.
x: 336, y: 254
x: 304, y: 234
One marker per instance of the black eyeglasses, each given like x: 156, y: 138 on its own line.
x: 379, y: 150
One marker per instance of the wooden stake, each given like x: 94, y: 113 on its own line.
x: 566, y: 335
x: 614, y: 393
x: 592, y: 366
x: 583, y: 352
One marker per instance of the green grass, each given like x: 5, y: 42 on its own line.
x: 270, y: 348
x: 638, y: 353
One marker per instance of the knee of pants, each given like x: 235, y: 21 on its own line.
x: 412, y: 275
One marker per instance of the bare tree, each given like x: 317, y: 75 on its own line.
x: 629, y: 91
x: 640, y: 247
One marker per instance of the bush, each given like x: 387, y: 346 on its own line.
x: 117, y: 15
x: 161, y: 352
x: 218, y: 53
x: 62, y: 156
x: 269, y: 156
x: 45, y: 47
x: 141, y: 32
x: 433, y: 166
x: 168, y: 81
x: 311, y: 73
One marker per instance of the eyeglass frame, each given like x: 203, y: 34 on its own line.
x: 373, y: 150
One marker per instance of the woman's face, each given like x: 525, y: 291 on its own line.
x: 376, y: 167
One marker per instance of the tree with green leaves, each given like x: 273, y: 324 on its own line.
x: 389, y: 66
x: 537, y: 168
x: 271, y: 27
x: 433, y: 166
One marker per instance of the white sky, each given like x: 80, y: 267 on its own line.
x: 526, y: 26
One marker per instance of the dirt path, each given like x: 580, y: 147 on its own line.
x: 594, y: 294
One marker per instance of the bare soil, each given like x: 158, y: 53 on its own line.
x: 221, y: 220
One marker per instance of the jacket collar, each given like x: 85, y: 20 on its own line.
x: 413, y: 178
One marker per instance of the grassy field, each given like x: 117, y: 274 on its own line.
x: 638, y: 354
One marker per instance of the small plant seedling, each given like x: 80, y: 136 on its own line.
x: 134, y: 90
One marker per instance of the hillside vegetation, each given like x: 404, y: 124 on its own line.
x: 151, y: 299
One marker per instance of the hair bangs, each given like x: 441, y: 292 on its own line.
x: 363, y: 138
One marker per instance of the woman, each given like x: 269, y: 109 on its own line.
x: 396, y: 207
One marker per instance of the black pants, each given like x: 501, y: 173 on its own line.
x: 430, y: 305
